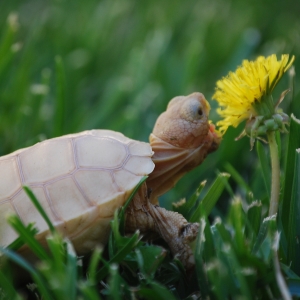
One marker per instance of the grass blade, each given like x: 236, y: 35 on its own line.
x: 237, y: 177
x: 18, y: 243
x: 188, y: 207
x: 60, y: 98
x: 149, y: 258
x: 71, y: 270
x: 38, y: 278
x: 6, y: 54
x: 94, y: 262
x: 114, y: 283
x: 254, y: 220
x: 40, y: 209
x: 27, y: 237
x: 199, y: 263
x: 236, y: 216
x: 211, y: 197
x: 237, y: 269
x: 265, y: 166
x: 88, y: 292
x: 263, y: 231
x: 209, y: 248
x: 7, y: 288
x: 294, y: 224
x: 157, y: 292
x: 123, y: 209
x: 293, y: 144
x: 294, y: 287
x: 119, y: 256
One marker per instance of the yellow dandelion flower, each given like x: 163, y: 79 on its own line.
x: 240, y: 93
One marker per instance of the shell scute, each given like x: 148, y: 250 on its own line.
x: 7, y: 234
x: 27, y: 211
x: 107, y: 211
x: 10, y: 180
x: 47, y: 160
x: 140, y: 149
x: 138, y: 165
x: 60, y: 192
x: 98, y: 185
x: 125, y: 180
x: 111, y: 134
x: 101, y: 152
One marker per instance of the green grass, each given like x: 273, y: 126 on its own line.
x: 116, y: 64
x: 67, y: 66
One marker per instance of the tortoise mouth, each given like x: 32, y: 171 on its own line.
x: 214, y: 137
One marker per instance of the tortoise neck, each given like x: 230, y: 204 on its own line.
x: 171, y: 163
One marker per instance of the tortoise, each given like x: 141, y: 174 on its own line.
x: 81, y: 179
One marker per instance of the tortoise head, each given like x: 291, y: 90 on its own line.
x: 181, y: 139
x: 185, y: 123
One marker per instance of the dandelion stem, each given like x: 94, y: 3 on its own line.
x: 275, y: 185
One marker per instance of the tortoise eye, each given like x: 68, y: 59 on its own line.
x: 192, y: 110
x: 196, y: 111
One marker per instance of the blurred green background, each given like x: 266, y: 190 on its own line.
x: 67, y: 66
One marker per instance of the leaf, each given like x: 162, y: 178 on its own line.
x: 211, y: 197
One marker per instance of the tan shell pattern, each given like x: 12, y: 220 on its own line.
x: 79, y: 179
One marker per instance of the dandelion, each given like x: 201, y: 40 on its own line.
x: 246, y: 94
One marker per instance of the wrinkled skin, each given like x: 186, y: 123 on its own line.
x: 181, y: 139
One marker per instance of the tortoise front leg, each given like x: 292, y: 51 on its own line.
x: 172, y: 227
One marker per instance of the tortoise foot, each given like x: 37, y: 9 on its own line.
x: 171, y: 226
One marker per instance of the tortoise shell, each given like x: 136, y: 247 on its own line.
x: 79, y: 179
